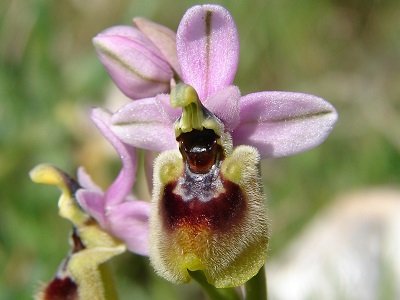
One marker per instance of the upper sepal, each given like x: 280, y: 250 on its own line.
x: 208, y: 49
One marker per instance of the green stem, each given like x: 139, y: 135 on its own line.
x: 213, y: 292
x: 256, y: 287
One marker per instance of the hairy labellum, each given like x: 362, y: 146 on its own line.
x: 208, y: 207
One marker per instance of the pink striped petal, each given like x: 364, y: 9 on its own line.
x: 208, y: 49
x: 283, y: 123
x: 143, y: 124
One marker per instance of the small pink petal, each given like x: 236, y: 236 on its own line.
x: 93, y: 203
x: 162, y: 37
x: 143, y: 124
x: 122, y: 185
x: 225, y: 105
x: 128, y: 222
x: 283, y: 123
x: 86, y: 182
x: 208, y: 49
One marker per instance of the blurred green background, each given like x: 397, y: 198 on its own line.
x: 347, y: 52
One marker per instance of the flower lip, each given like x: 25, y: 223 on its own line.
x: 194, y: 216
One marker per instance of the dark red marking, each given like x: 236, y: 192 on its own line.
x: 220, y: 213
x: 61, y: 289
x: 78, y: 245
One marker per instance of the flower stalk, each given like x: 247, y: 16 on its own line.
x: 256, y: 287
x: 213, y: 292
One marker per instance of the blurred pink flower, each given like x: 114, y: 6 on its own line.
x: 116, y: 210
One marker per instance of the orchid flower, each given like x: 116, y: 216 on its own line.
x: 83, y: 274
x: 208, y: 209
x: 118, y: 213
x: 105, y: 223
